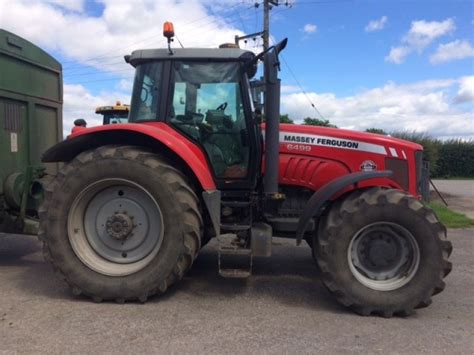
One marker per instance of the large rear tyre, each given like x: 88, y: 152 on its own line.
x: 382, y: 252
x: 119, y: 223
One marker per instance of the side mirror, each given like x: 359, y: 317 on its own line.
x: 258, y: 115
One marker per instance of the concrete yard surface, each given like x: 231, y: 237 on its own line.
x: 282, y: 308
x: 459, y: 194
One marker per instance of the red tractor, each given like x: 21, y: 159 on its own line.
x: 134, y: 203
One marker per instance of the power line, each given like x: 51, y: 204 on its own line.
x: 267, y: 34
x: 81, y: 70
x: 130, y: 69
x: 103, y: 60
x: 256, y: 5
x: 241, y: 21
x: 93, y: 81
x: 301, y: 87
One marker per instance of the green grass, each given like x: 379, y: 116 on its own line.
x: 450, y: 218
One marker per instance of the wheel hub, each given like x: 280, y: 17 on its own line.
x: 383, y: 256
x: 379, y: 252
x: 115, y: 227
x: 120, y: 226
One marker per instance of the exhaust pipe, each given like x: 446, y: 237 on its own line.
x: 272, y: 126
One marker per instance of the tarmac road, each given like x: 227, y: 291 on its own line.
x: 463, y: 188
x: 282, y: 308
x: 459, y: 194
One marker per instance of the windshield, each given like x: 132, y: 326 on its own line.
x: 115, y: 117
x: 146, y: 92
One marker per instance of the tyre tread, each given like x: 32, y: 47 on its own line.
x: 186, y: 199
x: 362, y: 199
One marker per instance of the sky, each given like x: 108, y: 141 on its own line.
x: 398, y: 65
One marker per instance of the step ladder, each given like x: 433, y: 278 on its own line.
x: 235, y: 257
x: 234, y: 260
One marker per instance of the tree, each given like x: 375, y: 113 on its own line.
x: 285, y: 119
x: 317, y: 122
x: 376, y: 130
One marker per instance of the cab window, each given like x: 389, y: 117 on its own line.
x: 146, y: 92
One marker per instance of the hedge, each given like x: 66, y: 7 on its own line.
x: 456, y: 159
x: 450, y: 158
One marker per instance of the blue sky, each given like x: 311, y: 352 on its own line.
x: 344, y: 58
x: 364, y: 63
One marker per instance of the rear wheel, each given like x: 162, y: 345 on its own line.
x: 119, y: 223
x: 381, y: 251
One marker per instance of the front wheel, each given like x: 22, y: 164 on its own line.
x: 120, y: 223
x: 383, y: 252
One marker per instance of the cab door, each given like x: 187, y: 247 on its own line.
x: 211, y: 107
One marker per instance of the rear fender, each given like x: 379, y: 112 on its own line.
x: 159, y: 138
x: 314, y: 205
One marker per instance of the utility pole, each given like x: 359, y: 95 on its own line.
x: 267, y: 5
x: 266, y: 24
x: 258, y: 86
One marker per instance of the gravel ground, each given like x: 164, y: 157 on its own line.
x: 282, y: 308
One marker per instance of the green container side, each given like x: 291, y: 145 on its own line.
x: 31, y: 99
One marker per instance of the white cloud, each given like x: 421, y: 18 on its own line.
x: 397, y: 54
x: 455, y: 50
x: 72, y: 5
x: 125, y: 85
x: 310, y: 28
x: 466, y: 90
x: 122, y: 27
x: 287, y: 89
x: 376, y: 25
x: 421, y: 106
x: 80, y: 103
x: 421, y: 34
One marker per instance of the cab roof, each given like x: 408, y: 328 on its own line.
x: 198, y: 54
x: 117, y: 107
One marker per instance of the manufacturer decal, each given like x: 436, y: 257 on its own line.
x: 368, y: 165
x: 321, y: 141
x: 310, y: 139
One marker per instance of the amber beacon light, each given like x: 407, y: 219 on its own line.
x: 168, y: 30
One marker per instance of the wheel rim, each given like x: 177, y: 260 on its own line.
x: 383, y: 256
x: 115, y: 227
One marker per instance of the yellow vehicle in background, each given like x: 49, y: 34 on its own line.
x: 114, y: 114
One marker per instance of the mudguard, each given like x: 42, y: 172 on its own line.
x: 324, y: 194
x: 157, y: 136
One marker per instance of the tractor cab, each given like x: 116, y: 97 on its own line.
x: 113, y: 114
x: 204, y: 94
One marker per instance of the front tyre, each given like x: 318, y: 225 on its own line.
x: 382, y: 252
x: 119, y: 223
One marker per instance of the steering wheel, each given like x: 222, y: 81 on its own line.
x: 221, y: 107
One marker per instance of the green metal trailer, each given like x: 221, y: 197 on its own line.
x: 31, y: 99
